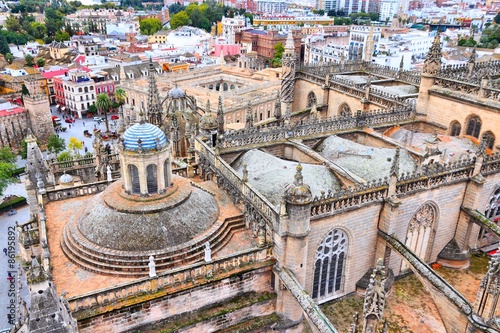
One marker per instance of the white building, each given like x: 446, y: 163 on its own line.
x: 358, y: 38
x: 232, y: 25
x: 122, y: 27
x: 272, y: 6
x: 388, y: 8
x: 187, y: 39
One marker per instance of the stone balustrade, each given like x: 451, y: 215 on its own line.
x: 76, y: 191
x: 166, y: 280
x: 29, y: 233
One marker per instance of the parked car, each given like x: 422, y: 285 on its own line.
x: 56, y: 120
x: 12, y: 212
x: 98, y: 119
x: 114, y: 117
x: 69, y: 120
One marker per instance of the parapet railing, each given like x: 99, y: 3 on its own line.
x: 249, y: 194
x: 263, y: 134
x: 412, y: 77
x: 29, y: 233
x: 435, y: 175
x: 352, y: 197
x: 77, y: 191
x: 491, y: 164
x: 165, y: 280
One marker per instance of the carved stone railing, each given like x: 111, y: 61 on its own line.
x: 265, y: 134
x: 237, y: 188
x: 352, y: 197
x: 77, y: 191
x: 311, y: 309
x: 165, y: 280
x: 321, y: 70
x: 435, y: 175
x: 29, y: 233
x: 491, y: 164
x: 460, y: 72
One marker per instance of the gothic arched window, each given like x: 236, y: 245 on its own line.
x: 455, y: 128
x: 134, y: 178
x: 311, y: 99
x: 152, y: 179
x: 474, y: 126
x: 165, y: 173
x: 493, y: 209
x: 345, y: 110
x: 330, y: 263
x: 420, y: 231
x: 490, y: 139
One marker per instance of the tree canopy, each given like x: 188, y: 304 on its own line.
x: 278, y: 54
x: 7, y: 168
x: 75, y: 144
x: 56, y: 143
x: 150, y: 26
x: 178, y: 20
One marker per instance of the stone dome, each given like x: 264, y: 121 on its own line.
x: 208, y: 121
x: 66, y: 179
x: 150, y: 136
x: 298, y: 193
x: 176, y: 92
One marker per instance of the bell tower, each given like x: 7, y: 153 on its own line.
x: 37, y: 105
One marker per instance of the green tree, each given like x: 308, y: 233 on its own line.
x: 150, y: 26
x: 4, y: 45
x: 92, y: 109
x: 53, y: 21
x: 39, y: 30
x: 278, y: 54
x: 9, y: 57
x: 178, y: 20
x: 12, y: 24
x: 29, y: 60
x: 7, y: 168
x: 24, y: 90
x: 62, y: 36
x: 56, y: 143
x: 175, y: 8
x: 64, y: 156
x: 40, y: 62
x: 75, y: 145
x: 103, y: 103
x: 120, y: 96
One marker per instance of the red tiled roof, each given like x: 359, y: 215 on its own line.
x: 52, y: 74
x: 15, y: 110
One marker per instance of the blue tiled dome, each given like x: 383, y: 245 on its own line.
x: 176, y: 92
x: 149, y: 134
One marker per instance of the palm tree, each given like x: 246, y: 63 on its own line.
x: 120, y: 96
x: 103, y: 103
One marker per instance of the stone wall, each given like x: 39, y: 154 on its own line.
x: 184, y: 302
x: 13, y: 129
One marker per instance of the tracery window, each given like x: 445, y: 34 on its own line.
x: 490, y: 139
x: 420, y: 229
x: 152, y: 179
x: 330, y: 263
x: 345, y: 110
x: 474, y: 126
x: 493, y: 209
x: 134, y: 178
x: 311, y: 99
x: 455, y: 128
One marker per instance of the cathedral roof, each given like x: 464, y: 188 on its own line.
x: 150, y: 136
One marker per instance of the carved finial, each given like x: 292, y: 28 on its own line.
x: 481, y: 151
x: 245, y: 173
x: 277, y: 106
x: 432, y: 63
x: 289, y: 44
x: 395, y: 163
x: 299, y: 179
x: 373, y: 307
x: 401, y: 63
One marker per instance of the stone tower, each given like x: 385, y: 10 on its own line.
x: 154, y: 106
x: 296, y: 216
x: 37, y: 105
x: 432, y: 65
x: 289, y: 62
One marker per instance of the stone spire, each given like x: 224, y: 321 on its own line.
x: 249, y: 117
x: 395, y: 163
x: 298, y: 193
x: 373, y: 308
x: 289, y: 62
x: 370, y: 46
x: 432, y: 63
x: 154, y: 106
x: 488, y: 296
x: 401, y: 63
x: 472, y: 62
x: 277, y: 106
x: 36, y: 164
x: 220, y: 116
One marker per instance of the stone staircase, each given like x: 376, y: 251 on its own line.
x: 100, y: 260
